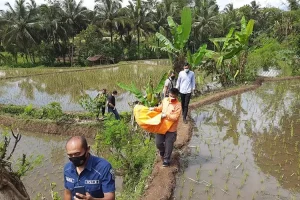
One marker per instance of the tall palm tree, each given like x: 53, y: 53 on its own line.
x: 74, y: 16
x: 20, y: 24
x: 293, y: 4
x: 231, y: 12
x: 225, y: 24
x: 206, y: 20
x: 108, y: 11
x: 141, y: 19
x: 51, y: 20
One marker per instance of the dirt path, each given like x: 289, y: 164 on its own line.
x: 163, y: 180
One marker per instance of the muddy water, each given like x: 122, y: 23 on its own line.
x: 67, y: 88
x: 52, y: 149
x: 245, y: 147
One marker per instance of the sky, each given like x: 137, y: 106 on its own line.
x: 236, y: 3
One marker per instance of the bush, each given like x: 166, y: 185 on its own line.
x: 12, y: 109
x: 131, y: 152
x: 52, y: 111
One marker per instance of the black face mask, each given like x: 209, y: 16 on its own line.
x: 172, y: 77
x: 78, y: 161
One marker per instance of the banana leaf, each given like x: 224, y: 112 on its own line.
x: 249, y: 28
x: 161, y: 83
x: 199, y: 55
x: 168, y: 46
x: 133, y: 89
x: 186, y: 23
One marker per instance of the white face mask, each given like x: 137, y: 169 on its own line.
x: 186, y: 70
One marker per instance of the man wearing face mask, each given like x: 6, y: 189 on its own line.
x: 171, y: 110
x: 169, y: 84
x: 186, y: 85
x: 85, y: 170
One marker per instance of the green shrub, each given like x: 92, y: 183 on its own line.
x: 131, y: 152
x: 29, y: 110
x: 52, y: 111
x: 12, y: 109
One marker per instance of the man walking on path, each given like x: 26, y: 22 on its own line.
x: 169, y: 84
x: 101, y: 101
x: 171, y: 110
x: 111, y: 104
x: 186, y: 85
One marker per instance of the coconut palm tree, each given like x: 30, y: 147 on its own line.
x: 51, y: 20
x: 141, y: 20
x: 20, y: 24
x: 231, y: 12
x: 74, y: 16
x: 205, y: 20
x: 108, y: 13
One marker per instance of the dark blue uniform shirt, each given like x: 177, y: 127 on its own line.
x: 97, y: 177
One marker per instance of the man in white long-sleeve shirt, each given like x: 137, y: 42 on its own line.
x: 186, y: 85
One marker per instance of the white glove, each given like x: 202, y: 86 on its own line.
x: 151, y: 108
x: 114, y: 108
x: 163, y: 115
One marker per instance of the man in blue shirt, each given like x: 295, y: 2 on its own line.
x: 186, y: 85
x: 84, y: 169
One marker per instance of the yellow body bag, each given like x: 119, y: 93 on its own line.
x: 151, y: 121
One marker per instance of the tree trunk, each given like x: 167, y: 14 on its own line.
x: 111, y: 37
x: 11, y: 187
x: 138, y: 36
x: 26, y: 57
x: 178, y: 63
x: 72, y: 52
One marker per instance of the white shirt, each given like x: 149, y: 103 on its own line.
x: 186, y: 82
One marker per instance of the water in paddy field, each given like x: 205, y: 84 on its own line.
x: 52, y: 149
x: 245, y: 147
x: 68, y: 87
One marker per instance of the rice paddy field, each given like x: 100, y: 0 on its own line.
x: 245, y: 147
x: 40, y: 86
x: 67, y: 87
x: 50, y: 170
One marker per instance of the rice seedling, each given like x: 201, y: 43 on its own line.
x: 238, y: 194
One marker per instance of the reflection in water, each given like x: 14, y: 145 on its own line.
x: 246, y: 147
x: 52, y: 147
x: 67, y: 88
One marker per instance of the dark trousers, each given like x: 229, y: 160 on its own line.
x: 102, y: 110
x: 185, y: 100
x: 117, y: 116
x: 165, y: 143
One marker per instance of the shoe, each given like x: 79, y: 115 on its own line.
x: 166, y: 164
x: 185, y: 121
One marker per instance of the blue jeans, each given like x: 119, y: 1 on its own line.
x: 111, y: 110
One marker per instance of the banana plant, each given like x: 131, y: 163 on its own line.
x: 176, y: 48
x: 231, y: 48
x: 151, y: 95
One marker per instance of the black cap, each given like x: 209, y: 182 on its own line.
x: 186, y: 64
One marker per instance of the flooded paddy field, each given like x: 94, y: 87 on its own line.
x: 67, y: 88
x: 245, y: 147
x: 51, y: 149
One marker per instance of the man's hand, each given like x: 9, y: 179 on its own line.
x: 114, y: 108
x: 87, y: 196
